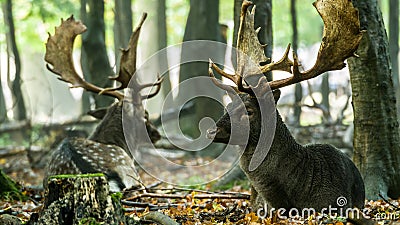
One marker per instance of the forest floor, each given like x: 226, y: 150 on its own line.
x: 201, y: 204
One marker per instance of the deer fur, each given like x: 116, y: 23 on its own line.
x: 292, y: 175
x: 105, y: 151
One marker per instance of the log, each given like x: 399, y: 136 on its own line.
x: 80, y: 199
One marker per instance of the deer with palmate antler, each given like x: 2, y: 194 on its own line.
x: 106, y: 150
x: 291, y: 175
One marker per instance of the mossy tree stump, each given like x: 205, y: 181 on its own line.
x: 8, y: 188
x: 80, y: 199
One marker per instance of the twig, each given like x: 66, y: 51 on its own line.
x: 200, y: 196
x: 153, y: 185
x: 387, y: 201
x: 174, y: 189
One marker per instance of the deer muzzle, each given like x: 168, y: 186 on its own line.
x: 218, y: 135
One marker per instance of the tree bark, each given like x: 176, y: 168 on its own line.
x: 394, y: 47
x: 3, y: 107
x: 80, y: 199
x: 298, y: 92
x: 97, y: 68
x: 325, y: 89
x: 202, y: 24
x: 86, y: 199
x: 6, y: 219
x: 12, y: 51
x: 394, y: 40
x: 376, y: 136
x: 122, y: 27
x: 162, y: 43
x: 236, y: 22
x: 86, y: 106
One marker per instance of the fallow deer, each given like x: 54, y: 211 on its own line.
x: 106, y: 150
x: 291, y: 175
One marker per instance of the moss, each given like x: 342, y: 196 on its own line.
x: 117, y: 196
x: 9, y: 189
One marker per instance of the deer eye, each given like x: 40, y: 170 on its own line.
x: 250, y: 112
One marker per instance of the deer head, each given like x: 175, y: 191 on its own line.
x: 341, y: 37
x: 59, y: 48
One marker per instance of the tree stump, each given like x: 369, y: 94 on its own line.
x: 6, y: 219
x: 80, y: 199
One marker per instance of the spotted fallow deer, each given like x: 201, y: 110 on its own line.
x: 106, y: 150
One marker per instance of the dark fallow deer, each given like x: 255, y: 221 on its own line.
x: 106, y: 150
x: 291, y: 175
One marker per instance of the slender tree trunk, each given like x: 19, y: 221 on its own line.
x: 162, y: 43
x: 298, y: 90
x: 236, y: 19
x: 97, y: 68
x: 122, y: 27
x: 376, y: 136
x: 263, y: 19
x: 3, y: 107
x: 325, y: 91
x: 19, y: 104
x: 202, y: 24
x: 86, y: 105
x: 394, y: 40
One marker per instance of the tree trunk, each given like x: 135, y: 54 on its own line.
x: 97, y: 68
x: 19, y: 104
x: 86, y: 105
x: 122, y: 27
x: 202, y: 24
x: 162, y: 43
x: 236, y: 22
x: 80, y: 199
x: 86, y: 199
x: 298, y: 90
x: 325, y: 93
x: 3, y: 107
x: 376, y: 136
x: 6, y: 219
x: 394, y: 40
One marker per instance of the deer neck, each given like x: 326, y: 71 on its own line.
x: 284, y: 147
x: 110, y: 132
x: 284, y: 143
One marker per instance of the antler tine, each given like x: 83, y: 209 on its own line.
x: 284, y: 64
x: 232, y: 77
x: 238, y: 80
x: 59, y: 56
x: 228, y: 88
x: 128, y: 58
x: 157, y: 84
x: 341, y: 38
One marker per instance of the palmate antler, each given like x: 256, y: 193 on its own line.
x: 59, y: 49
x: 340, y: 40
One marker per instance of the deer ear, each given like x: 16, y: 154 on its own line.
x: 98, y: 113
x: 277, y: 95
